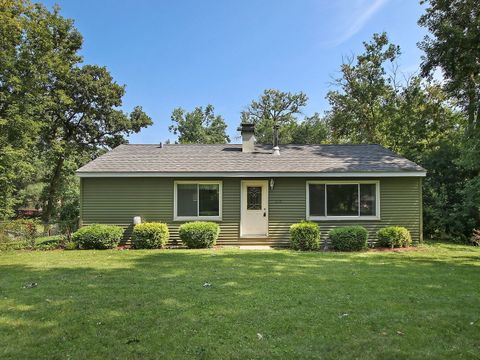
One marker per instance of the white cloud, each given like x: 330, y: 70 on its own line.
x: 361, y: 18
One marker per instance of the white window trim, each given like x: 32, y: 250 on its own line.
x: 344, y: 182
x: 193, y: 218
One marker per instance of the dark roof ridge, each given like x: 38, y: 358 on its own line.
x: 232, y: 144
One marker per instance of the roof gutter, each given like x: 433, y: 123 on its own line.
x: 365, y: 174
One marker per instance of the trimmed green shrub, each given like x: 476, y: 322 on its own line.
x: 151, y: 235
x: 349, y: 238
x: 394, y: 236
x: 199, y: 234
x: 49, y: 242
x: 305, y: 236
x: 98, y: 236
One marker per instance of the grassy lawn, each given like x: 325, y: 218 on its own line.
x: 261, y: 304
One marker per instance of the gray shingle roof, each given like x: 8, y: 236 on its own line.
x: 229, y: 158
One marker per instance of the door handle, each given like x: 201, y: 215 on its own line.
x: 264, y: 214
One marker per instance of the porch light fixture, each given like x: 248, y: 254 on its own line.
x: 272, y: 183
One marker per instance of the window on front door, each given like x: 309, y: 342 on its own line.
x: 254, y: 197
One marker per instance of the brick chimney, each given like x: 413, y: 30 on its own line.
x: 248, y: 137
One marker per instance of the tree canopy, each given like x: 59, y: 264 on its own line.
x: 200, y: 126
x: 364, y: 95
x: 312, y: 130
x: 54, y: 110
x: 274, y: 108
x: 452, y: 46
x: 28, y: 51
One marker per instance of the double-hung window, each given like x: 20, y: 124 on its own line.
x: 327, y: 200
x: 198, y: 200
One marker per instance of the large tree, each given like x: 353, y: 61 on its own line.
x: 53, y: 110
x: 312, y: 130
x: 82, y: 117
x: 274, y: 108
x: 200, y: 126
x: 30, y: 47
x: 363, y: 95
x: 452, y: 46
x: 422, y: 117
x: 370, y: 104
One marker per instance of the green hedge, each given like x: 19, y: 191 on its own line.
x: 393, y: 236
x: 305, y: 236
x: 49, y: 242
x: 199, y: 234
x: 349, y: 238
x: 151, y: 235
x: 98, y: 236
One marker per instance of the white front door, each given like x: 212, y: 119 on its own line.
x: 254, y: 208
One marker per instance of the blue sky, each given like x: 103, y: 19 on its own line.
x: 191, y: 53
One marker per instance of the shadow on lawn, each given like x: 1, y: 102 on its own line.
x: 148, y: 294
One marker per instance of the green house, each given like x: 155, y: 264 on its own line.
x: 254, y: 192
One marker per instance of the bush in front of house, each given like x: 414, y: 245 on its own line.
x: 394, y: 236
x: 349, y: 238
x: 305, y: 236
x: 150, y: 235
x: 199, y: 234
x: 98, y: 236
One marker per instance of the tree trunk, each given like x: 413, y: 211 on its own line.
x: 472, y: 109
x: 52, y: 190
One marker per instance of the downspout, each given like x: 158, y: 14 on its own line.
x: 420, y: 235
x: 80, y: 217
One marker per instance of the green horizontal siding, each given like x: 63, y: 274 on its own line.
x: 286, y: 206
x: 118, y: 200
x: 400, y: 204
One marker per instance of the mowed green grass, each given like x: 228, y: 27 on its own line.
x: 261, y: 304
